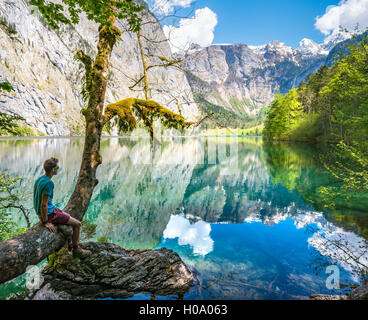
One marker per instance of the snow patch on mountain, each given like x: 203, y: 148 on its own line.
x: 309, y: 48
x: 332, y: 40
x: 259, y: 49
x: 279, y: 47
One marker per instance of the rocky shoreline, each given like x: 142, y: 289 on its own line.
x: 117, y: 273
x: 113, y: 272
x: 360, y: 293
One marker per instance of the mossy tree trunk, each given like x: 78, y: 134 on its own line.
x: 96, y: 83
x: 30, y: 248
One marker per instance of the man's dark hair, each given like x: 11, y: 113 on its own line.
x: 50, y: 164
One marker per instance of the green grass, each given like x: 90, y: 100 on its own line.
x: 241, y: 105
x: 8, y: 27
x: 257, y: 130
x: 22, y: 131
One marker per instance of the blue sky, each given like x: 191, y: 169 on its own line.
x: 258, y: 22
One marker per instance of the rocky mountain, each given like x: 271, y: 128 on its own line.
x: 245, y: 78
x: 308, y: 47
x: 333, y: 40
x: 39, y: 63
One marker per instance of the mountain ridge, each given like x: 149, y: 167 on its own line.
x: 243, y: 79
x: 47, y: 81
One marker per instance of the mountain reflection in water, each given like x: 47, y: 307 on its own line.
x: 242, y: 216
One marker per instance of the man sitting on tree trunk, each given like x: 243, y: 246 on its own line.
x: 50, y: 215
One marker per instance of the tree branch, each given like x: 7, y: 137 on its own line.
x: 22, y: 209
x: 87, y: 61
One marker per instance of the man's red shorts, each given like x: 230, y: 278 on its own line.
x: 58, y: 217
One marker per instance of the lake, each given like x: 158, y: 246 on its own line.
x: 244, y: 213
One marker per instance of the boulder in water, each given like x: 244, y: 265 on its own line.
x: 113, y: 272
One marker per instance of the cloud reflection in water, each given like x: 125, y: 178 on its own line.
x: 196, y: 235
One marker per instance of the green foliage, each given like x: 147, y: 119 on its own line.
x: 331, y: 106
x: 222, y: 117
x: 8, y: 27
x: 301, y: 168
x: 307, y: 129
x: 348, y: 168
x: 88, y: 230
x: 286, y: 163
x: 334, y: 101
x: 97, y: 11
x: 276, y: 124
x: 6, y: 86
x: 6, y: 184
x: 253, y: 131
x: 241, y: 105
x: 21, y: 131
x: 103, y: 239
x: 87, y: 80
x: 8, y: 123
x: 8, y: 228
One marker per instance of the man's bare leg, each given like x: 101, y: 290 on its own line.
x: 75, y: 224
x: 77, y: 250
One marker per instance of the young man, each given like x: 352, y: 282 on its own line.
x: 50, y: 215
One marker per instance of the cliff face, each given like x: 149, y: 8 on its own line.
x: 245, y: 78
x: 39, y: 63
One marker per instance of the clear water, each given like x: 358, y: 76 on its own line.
x: 243, y: 213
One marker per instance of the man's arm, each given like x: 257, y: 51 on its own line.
x: 44, y: 207
x: 44, y: 211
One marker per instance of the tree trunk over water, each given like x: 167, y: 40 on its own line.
x: 30, y: 248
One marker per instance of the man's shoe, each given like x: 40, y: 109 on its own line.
x: 79, y: 252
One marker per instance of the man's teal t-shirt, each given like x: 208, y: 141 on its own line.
x: 43, y: 185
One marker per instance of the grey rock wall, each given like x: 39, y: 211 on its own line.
x: 243, y: 78
x: 39, y: 63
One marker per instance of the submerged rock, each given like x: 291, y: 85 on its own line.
x: 360, y: 293
x: 327, y: 297
x: 113, y: 272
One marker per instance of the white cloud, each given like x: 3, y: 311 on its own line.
x: 347, y: 14
x: 196, y: 235
x: 165, y: 7
x: 346, y: 248
x: 198, y: 30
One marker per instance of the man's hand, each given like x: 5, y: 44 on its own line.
x: 50, y: 227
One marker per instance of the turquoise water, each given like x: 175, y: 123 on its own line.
x: 243, y: 213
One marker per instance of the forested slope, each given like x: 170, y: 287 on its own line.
x: 331, y: 105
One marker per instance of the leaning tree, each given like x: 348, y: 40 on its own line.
x: 36, y: 244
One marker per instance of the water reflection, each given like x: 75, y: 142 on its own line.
x: 196, y: 235
x: 242, y: 215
